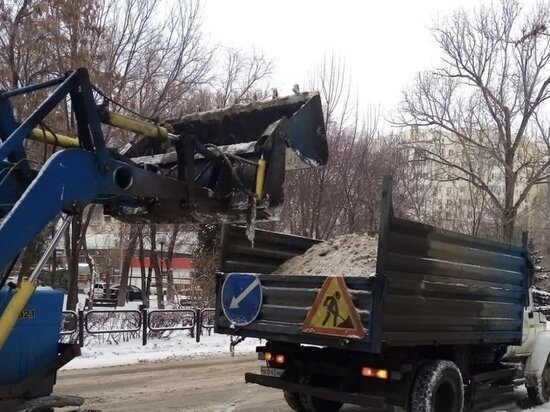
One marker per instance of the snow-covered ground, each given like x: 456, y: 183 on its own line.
x: 542, y: 408
x: 519, y: 394
x: 177, y: 346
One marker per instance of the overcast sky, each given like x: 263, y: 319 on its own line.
x: 384, y: 42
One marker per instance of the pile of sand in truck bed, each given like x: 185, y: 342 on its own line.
x: 347, y: 255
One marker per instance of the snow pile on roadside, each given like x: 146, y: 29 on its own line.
x: 347, y: 255
x: 178, y: 346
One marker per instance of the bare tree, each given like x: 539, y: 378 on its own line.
x: 241, y: 74
x: 205, y: 263
x: 22, y: 58
x: 430, y: 196
x: 152, y: 66
x: 170, y: 287
x: 145, y: 280
x: 155, y: 266
x: 310, y: 209
x: 419, y: 190
x: 488, y: 97
x: 129, y: 250
x: 344, y: 195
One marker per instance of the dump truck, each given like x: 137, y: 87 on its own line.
x: 446, y: 324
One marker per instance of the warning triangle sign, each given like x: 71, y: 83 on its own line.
x: 333, y: 312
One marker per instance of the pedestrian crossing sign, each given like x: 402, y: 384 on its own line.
x: 333, y: 312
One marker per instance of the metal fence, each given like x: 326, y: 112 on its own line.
x: 147, y: 323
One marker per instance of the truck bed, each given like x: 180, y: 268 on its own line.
x: 432, y: 287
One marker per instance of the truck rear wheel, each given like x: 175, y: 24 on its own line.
x: 540, y: 393
x: 438, y: 387
x: 292, y: 398
x: 293, y: 401
x: 313, y: 404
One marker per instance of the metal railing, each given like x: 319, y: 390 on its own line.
x: 188, y: 320
x: 107, y: 315
x: 69, y: 323
x: 144, y: 322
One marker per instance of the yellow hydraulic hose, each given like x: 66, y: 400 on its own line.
x: 121, y: 121
x: 260, y: 178
x: 17, y: 303
x: 57, y: 139
x: 142, y: 127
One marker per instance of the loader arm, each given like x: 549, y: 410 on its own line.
x: 225, y: 165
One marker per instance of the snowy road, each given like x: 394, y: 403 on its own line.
x: 202, y: 385
x: 214, y: 384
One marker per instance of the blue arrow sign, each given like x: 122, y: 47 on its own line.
x: 241, y: 298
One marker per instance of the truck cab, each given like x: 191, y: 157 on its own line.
x: 534, y: 322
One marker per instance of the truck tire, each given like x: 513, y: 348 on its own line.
x: 293, y: 401
x: 292, y: 398
x: 313, y: 404
x: 438, y: 387
x: 540, y: 392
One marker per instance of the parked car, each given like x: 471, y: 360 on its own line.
x: 99, y: 290
x: 185, y: 301
x: 133, y: 292
x: 102, y: 290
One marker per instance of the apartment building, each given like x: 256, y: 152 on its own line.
x: 439, y: 163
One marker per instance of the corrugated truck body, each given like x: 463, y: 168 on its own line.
x: 432, y: 287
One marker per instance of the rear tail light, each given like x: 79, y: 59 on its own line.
x: 280, y: 358
x: 271, y: 357
x: 369, y: 372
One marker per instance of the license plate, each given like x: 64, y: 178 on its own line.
x: 267, y: 371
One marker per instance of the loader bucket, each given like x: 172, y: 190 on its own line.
x: 243, y: 123
x: 234, y: 159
